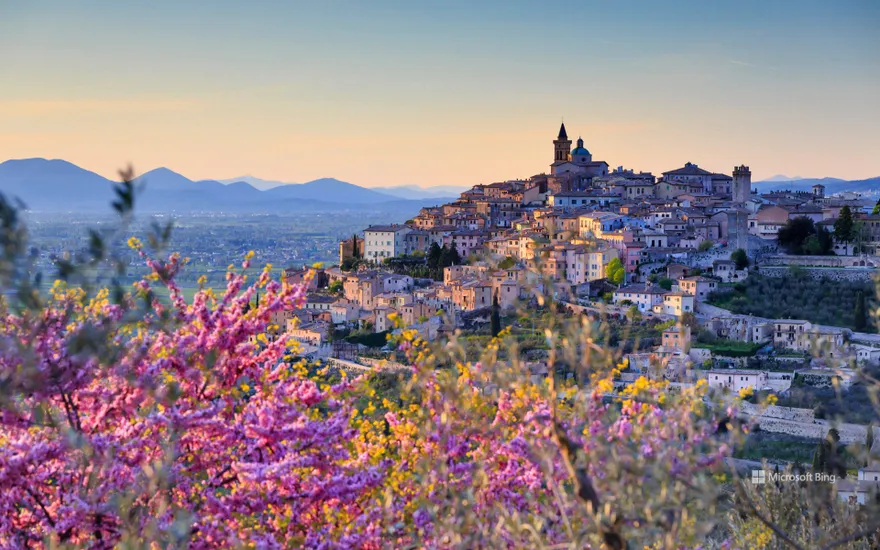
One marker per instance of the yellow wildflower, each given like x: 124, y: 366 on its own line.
x: 605, y: 386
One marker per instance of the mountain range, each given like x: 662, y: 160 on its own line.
x: 782, y: 177
x: 399, y: 191
x: 60, y: 186
x: 832, y: 185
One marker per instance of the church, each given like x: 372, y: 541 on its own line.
x: 572, y: 169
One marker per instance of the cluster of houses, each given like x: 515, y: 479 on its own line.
x: 374, y: 299
x: 572, y: 226
x: 793, y: 338
x: 576, y: 218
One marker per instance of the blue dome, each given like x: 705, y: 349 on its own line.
x: 580, y: 149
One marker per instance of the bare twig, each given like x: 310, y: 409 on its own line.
x: 773, y: 527
x: 40, y: 504
x: 854, y: 536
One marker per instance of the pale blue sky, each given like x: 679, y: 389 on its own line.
x: 386, y: 93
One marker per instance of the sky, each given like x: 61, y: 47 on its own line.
x: 456, y: 92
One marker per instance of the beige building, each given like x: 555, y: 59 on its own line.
x: 802, y: 335
x: 351, y: 248
x: 507, y: 285
x: 676, y: 303
x: 384, y: 241
x: 307, y: 333
x: 677, y: 338
x: 645, y: 297
x: 597, y: 224
x: 344, y: 311
x: 698, y: 287
x: 791, y: 333
x: 866, y: 355
x: 457, y: 272
x: 382, y: 318
x: 598, y: 260
x: 654, y: 239
x: 473, y: 294
x: 728, y: 273
x: 414, y: 312
x: 362, y: 289
x: 692, y: 174
x: 735, y: 380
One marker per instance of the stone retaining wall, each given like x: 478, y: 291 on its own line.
x: 820, y: 261
x: 800, y: 422
x: 782, y: 413
x: 849, y: 433
x: 818, y: 273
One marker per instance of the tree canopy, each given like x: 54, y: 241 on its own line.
x: 615, y: 271
x: 844, y: 226
x: 801, y: 235
x: 740, y: 257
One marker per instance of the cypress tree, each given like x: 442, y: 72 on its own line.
x: 434, y: 255
x: 844, y: 225
x: 819, y: 457
x: 834, y: 459
x: 861, y: 320
x: 496, y: 317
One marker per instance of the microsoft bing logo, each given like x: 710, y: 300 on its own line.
x: 758, y: 477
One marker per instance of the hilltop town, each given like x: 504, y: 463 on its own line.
x: 659, y: 255
x: 592, y: 232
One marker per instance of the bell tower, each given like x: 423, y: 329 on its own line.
x: 742, y: 183
x: 562, y: 146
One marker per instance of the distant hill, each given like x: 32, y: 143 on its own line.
x: 399, y: 191
x: 60, y: 186
x: 832, y: 185
x: 416, y: 192
x: 782, y: 177
x: 330, y: 189
x: 257, y: 183
x: 52, y: 182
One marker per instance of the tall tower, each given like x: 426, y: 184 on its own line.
x: 562, y: 146
x: 742, y: 183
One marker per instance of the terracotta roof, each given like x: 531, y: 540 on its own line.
x: 386, y: 228
x: 641, y: 289
x: 689, y: 169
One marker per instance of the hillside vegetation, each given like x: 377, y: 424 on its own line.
x: 797, y: 296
